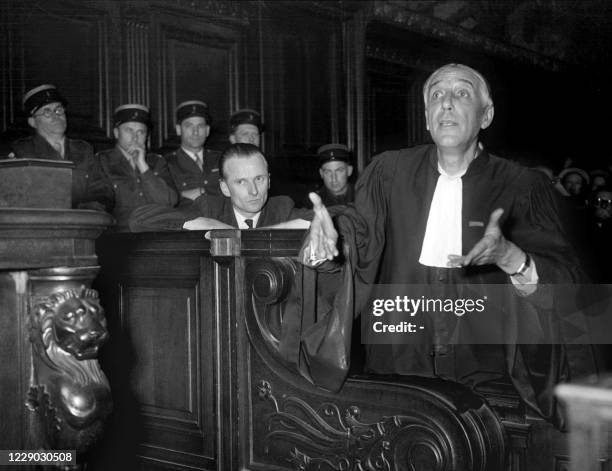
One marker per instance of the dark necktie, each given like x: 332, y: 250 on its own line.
x: 199, y: 161
x: 249, y: 222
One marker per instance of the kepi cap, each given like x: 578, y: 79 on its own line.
x: 334, y: 152
x: 566, y: 171
x: 41, y: 96
x: 245, y: 116
x: 131, y: 112
x: 190, y: 108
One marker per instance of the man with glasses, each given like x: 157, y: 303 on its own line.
x: 46, y: 111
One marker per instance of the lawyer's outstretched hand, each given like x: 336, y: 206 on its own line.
x: 322, y: 238
x: 493, y: 248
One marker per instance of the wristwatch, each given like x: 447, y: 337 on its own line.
x: 524, y: 266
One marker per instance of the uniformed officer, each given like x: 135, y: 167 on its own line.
x: 194, y: 170
x: 46, y: 111
x: 137, y: 177
x: 245, y: 127
x: 335, y: 169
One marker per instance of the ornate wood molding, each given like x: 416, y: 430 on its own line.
x: 398, y: 14
x: 369, y: 425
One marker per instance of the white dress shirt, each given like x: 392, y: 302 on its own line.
x: 242, y: 220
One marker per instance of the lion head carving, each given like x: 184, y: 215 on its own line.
x: 71, y: 327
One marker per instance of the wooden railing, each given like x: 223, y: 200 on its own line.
x: 199, y: 382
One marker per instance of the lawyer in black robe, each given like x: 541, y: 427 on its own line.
x: 390, y: 216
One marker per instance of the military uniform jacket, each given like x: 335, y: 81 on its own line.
x: 84, y: 193
x: 155, y: 217
x: 329, y: 199
x: 186, y: 174
x: 132, y: 189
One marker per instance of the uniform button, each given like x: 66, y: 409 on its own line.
x: 155, y: 173
x: 86, y: 176
x: 140, y: 193
x: 205, y: 182
x: 114, y: 186
x: 184, y: 184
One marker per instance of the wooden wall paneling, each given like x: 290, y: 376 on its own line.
x: 320, y: 87
x: 61, y: 44
x: 261, y: 103
x: 199, y: 61
x: 273, y: 73
x: 300, y: 56
x: 136, y: 50
x: 334, y: 86
x: 228, y: 296
x: 7, y: 97
x: 13, y: 373
x: 169, y: 372
x: 162, y: 355
x: 355, y: 64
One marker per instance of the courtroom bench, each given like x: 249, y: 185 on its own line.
x: 198, y: 382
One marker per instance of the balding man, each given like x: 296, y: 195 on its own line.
x: 451, y: 214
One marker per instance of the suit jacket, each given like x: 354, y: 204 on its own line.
x: 186, y: 175
x: 84, y: 193
x: 154, y: 217
x: 132, y: 189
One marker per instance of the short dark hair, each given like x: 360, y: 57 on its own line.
x: 241, y: 150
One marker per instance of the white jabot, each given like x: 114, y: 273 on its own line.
x: 443, y: 232
x: 242, y: 220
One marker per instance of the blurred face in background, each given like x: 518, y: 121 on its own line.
x: 602, y: 203
x: 245, y: 134
x: 573, y: 183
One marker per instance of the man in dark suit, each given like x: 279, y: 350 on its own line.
x: 136, y: 177
x: 194, y: 169
x: 46, y: 110
x: 244, y: 204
